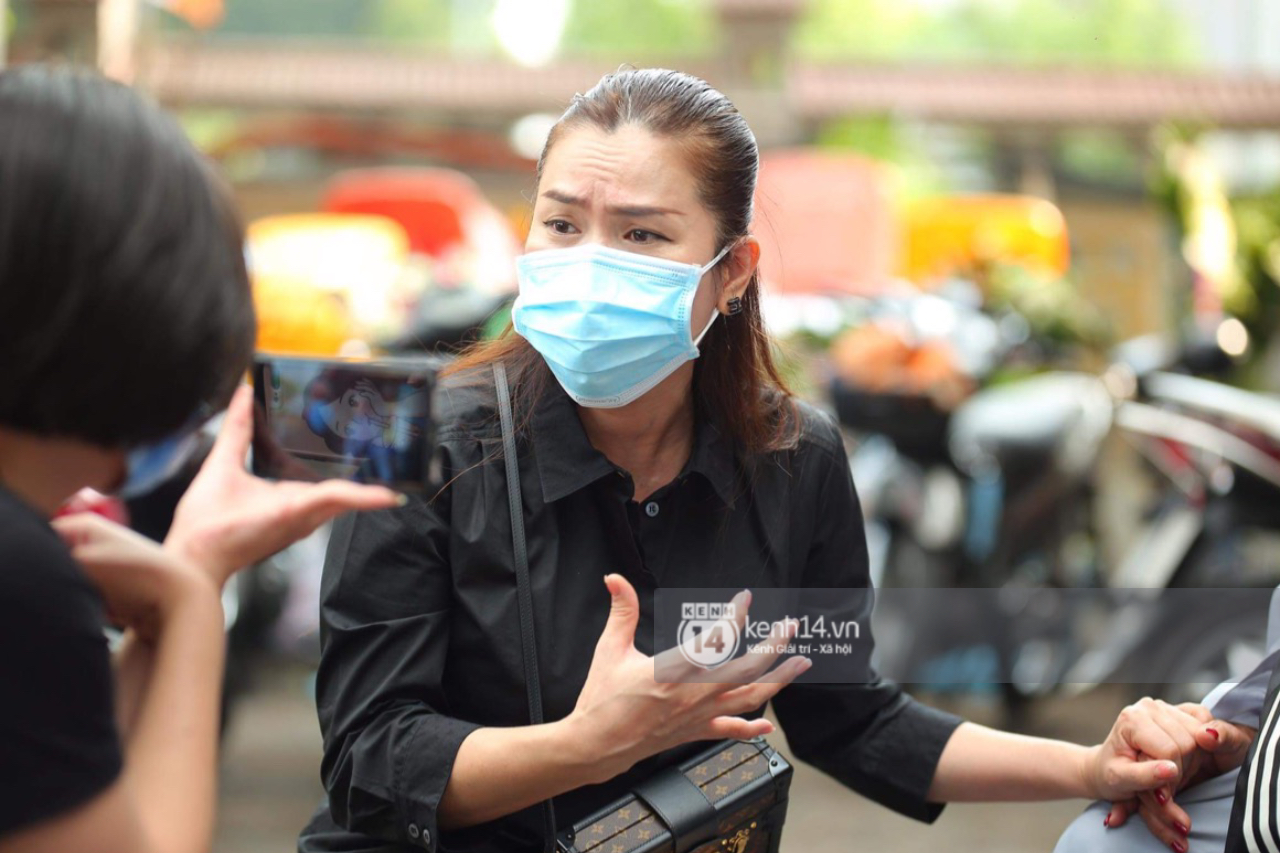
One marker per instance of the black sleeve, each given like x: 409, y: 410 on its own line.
x: 59, y: 746
x: 868, y: 735
x: 389, y: 743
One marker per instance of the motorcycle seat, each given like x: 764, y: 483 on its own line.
x: 1031, y: 423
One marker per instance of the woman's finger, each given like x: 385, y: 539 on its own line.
x: 236, y: 433
x: 1181, y: 729
x: 676, y: 664
x: 1133, y: 776
x: 77, y: 529
x: 1162, y: 807
x: 1219, y: 737
x: 1141, y: 732
x: 619, y: 634
x: 783, y: 674
x: 1195, y: 709
x: 318, y: 503
x: 735, y: 728
x: 761, y: 656
x: 1163, y: 833
x: 1119, y: 813
x: 86, y: 532
x: 752, y: 696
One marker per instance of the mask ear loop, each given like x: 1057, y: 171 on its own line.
x: 715, y: 312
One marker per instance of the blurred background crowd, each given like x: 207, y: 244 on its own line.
x: 1028, y: 251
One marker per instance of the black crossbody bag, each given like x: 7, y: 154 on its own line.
x: 730, y: 798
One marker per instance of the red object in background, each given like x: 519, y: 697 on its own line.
x: 825, y: 222
x: 440, y: 208
x: 87, y: 500
x: 446, y: 216
x: 201, y: 14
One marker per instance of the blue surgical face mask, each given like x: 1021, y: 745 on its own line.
x: 610, y: 324
x: 149, y: 465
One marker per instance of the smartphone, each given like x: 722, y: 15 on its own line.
x: 362, y: 420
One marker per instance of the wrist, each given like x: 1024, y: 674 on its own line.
x: 578, y: 749
x: 1087, y: 762
x: 199, y: 557
x: 190, y: 594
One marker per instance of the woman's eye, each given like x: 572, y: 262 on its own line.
x: 639, y: 235
x: 559, y: 226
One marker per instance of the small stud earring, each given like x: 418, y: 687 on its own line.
x: 735, y: 305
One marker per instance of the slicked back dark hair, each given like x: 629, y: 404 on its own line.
x: 124, y: 298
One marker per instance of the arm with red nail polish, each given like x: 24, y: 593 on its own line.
x: 983, y: 765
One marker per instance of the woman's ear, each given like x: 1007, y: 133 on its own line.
x: 739, y: 266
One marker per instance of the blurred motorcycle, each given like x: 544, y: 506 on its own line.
x: 1213, y: 541
x: 1001, y: 495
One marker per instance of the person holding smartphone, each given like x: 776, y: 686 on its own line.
x: 128, y: 321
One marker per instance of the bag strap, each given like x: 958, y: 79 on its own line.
x: 524, y: 588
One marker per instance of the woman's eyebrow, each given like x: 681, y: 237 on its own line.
x: 642, y: 210
x: 619, y: 209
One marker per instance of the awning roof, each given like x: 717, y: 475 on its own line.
x: 344, y: 77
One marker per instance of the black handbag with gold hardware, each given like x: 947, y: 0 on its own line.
x: 731, y: 798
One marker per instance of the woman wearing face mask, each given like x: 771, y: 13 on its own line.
x: 128, y: 321
x: 658, y: 447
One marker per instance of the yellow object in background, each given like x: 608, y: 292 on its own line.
x: 297, y: 318
x: 968, y: 235
x: 323, y: 281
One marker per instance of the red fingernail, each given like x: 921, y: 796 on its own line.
x: 1184, y: 830
x: 1106, y: 821
x: 1161, y: 797
x: 1214, y: 732
x: 1179, y: 847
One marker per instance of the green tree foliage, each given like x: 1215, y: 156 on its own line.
x: 430, y: 23
x: 627, y: 29
x: 1090, y: 32
x: 1099, y: 32
x: 640, y: 29
x: 274, y: 18
x: 859, y: 29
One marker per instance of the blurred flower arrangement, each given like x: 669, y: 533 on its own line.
x: 879, y: 359
x: 1057, y: 315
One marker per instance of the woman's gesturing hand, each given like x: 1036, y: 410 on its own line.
x: 1188, y: 736
x: 626, y: 714
x: 229, y: 519
x: 141, y: 584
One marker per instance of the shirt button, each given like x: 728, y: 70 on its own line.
x: 426, y: 838
x: 651, y: 509
x: 414, y: 832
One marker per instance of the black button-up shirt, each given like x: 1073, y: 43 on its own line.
x: 421, y: 633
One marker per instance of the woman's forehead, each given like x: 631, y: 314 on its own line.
x: 628, y: 166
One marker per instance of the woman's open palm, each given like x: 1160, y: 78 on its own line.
x: 634, y: 715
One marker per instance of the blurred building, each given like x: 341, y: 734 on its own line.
x: 304, y: 109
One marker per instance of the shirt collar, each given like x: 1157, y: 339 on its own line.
x: 567, y: 461
x: 713, y: 458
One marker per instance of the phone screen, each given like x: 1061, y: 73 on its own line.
x: 367, y: 421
